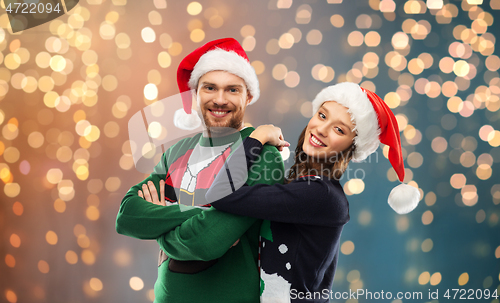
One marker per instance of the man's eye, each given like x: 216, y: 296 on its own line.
x: 233, y: 90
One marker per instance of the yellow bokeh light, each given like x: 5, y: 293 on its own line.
x: 247, y: 30
x: 372, y: 39
x: 392, y: 99
x: 51, y: 237
x: 286, y: 41
x: 96, y: 284
x: 43, y: 266
x: 494, y: 138
x: 463, y: 279
x: 107, y: 31
x: 347, y: 247
x: 458, y: 181
x: 12, y: 61
x: 12, y: 190
x: 92, y: 213
x: 136, y: 283
x: 355, y: 38
x: 112, y: 184
x: 197, y: 35
x: 10, y: 261
x: 15, y: 240
x: 92, y: 133
x: 424, y: 278
x: 356, y: 186
x: 194, y: 8
x: 314, y: 37
x: 337, y: 20
x: 292, y: 79
x: 435, y: 279
x: 484, y: 171
x: 88, y: 257
x: 57, y: 63
x: 400, y: 40
x: 122, y: 257
x: 461, y: 68
x: 59, y: 206
x: 259, y: 67
x: 150, y: 91
x: 175, y: 49
x: 387, y: 6
x: 71, y: 257
x: 427, y: 245
x: 427, y: 217
x: 122, y: 40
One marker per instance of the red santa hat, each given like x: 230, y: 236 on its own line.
x: 374, y: 123
x: 218, y: 55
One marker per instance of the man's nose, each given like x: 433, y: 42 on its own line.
x: 219, y: 97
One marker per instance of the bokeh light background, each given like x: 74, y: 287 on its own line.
x: 68, y: 88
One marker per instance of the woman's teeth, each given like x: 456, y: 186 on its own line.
x: 316, y: 141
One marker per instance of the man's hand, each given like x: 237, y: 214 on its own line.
x: 150, y: 194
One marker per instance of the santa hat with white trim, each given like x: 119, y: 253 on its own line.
x: 218, y: 55
x: 374, y: 123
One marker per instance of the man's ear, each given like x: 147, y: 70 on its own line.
x: 249, y: 98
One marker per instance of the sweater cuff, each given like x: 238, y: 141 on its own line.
x: 253, y: 148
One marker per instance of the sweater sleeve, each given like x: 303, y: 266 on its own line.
x: 209, y: 235
x: 141, y: 219
x: 310, y: 200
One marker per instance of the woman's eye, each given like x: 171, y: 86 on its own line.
x: 322, y: 116
x: 340, y: 130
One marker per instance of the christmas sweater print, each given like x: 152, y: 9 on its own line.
x: 189, y: 234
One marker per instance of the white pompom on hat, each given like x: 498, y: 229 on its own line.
x: 218, y: 55
x: 374, y: 123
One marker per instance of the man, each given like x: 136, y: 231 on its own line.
x: 224, y: 246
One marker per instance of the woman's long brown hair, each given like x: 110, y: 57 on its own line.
x: 332, y: 167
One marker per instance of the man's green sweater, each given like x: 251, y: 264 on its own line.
x: 188, y: 233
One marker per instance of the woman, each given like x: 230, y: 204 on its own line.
x: 300, y: 238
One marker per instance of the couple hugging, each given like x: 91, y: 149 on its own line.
x: 228, y: 230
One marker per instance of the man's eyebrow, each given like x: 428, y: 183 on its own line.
x: 341, y: 122
x: 229, y: 86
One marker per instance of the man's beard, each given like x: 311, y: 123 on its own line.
x: 216, y: 127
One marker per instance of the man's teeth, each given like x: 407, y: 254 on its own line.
x: 316, y: 141
x: 219, y: 113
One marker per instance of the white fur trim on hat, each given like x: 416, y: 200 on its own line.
x: 404, y: 198
x: 186, y: 121
x: 229, y: 61
x: 362, y: 114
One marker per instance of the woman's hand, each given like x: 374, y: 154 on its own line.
x: 150, y: 194
x: 270, y: 134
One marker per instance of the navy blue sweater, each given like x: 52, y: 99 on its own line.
x: 301, y: 239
